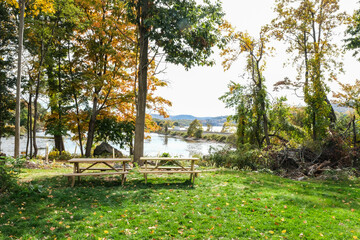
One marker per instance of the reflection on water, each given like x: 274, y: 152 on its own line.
x: 157, y: 145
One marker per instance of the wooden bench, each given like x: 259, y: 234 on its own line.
x: 109, y: 170
x: 160, y: 169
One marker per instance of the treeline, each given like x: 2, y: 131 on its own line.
x: 81, y: 62
x: 268, y: 128
x: 94, y: 64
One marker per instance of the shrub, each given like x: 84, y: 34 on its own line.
x: 198, y: 133
x: 243, y: 158
x: 55, y: 155
x: 9, y: 171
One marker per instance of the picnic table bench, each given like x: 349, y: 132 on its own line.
x: 107, y: 170
x: 161, y: 169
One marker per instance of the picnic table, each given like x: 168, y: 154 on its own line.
x: 108, y: 169
x: 160, y: 167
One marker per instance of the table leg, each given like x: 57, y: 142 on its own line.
x: 72, y: 181
x: 192, y: 169
x: 78, y: 170
x: 145, y: 176
x: 123, y: 178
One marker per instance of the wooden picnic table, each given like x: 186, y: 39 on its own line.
x: 107, y: 170
x: 161, y: 169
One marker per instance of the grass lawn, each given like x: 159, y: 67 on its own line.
x: 225, y: 204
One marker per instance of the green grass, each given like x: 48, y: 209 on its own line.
x: 232, y: 205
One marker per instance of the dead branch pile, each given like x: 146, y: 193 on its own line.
x: 304, y: 161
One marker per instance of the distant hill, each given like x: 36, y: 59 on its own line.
x: 187, y: 119
x: 339, y: 109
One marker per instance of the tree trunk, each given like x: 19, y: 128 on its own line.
x: 59, y: 142
x: 142, y: 83
x: 314, y: 126
x: 37, y: 91
x: 332, y: 115
x: 28, y: 125
x: 35, y: 120
x: 91, y: 131
x: 18, y: 82
x: 354, y: 131
x: 78, y: 124
x: 76, y: 104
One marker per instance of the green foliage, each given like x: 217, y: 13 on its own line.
x: 281, y: 125
x: 195, y: 129
x: 249, y: 114
x: 353, y: 31
x: 7, y: 62
x: 165, y: 154
x: 245, y: 157
x: 185, y: 30
x: 109, y: 129
x: 55, y: 155
x: 9, y: 172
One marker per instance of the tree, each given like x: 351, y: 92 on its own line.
x: 308, y: 27
x: 353, y: 33
x: 7, y: 80
x: 195, y: 129
x: 18, y: 81
x: 184, y: 30
x: 255, y: 51
x: 110, y: 129
x: 35, y: 7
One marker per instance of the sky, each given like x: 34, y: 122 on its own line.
x: 197, y: 91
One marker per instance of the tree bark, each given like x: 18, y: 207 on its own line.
x: 76, y: 104
x: 37, y: 92
x: 78, y: 124
x: 142, y: 83
x: 28, y: 125
x: 59, y: 142
x: 354, y: 131
x: 91, y: 131
x: 18, y: 81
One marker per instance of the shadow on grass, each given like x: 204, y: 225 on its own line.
x: 33, y: 213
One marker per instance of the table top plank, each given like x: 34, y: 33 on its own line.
x: 93, y: 160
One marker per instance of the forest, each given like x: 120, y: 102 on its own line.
x: 91, y: 69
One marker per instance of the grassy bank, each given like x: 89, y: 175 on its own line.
x: 238, y: 205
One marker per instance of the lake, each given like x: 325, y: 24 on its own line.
x: 154, y: 146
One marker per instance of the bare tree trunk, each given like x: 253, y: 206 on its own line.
x: 18, y: 82
x: 142, y: 83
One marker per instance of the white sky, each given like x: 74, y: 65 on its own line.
x: 196, y: 91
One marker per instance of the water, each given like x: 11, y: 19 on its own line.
x: 155, y: 146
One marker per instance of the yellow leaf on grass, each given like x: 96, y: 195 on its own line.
x: 283, y: 231
x: 271, y: 232
x: 106, y: 231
